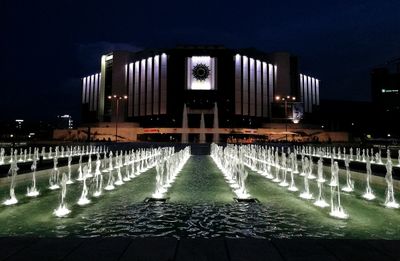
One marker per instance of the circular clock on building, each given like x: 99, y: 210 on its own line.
x: 201, y: 72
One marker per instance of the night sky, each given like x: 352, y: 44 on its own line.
x: 48, y: 45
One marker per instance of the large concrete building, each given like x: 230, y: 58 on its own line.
x: 191, y: 86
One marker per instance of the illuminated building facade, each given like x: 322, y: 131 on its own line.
x: 159, y: 83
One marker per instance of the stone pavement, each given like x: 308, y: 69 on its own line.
x: 159, y: 249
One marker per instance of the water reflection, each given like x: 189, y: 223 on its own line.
x: 239, y: 220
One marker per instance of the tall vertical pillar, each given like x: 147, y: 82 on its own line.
x: 202, y: 127
x: 185, y: 135
x: 216, y: 124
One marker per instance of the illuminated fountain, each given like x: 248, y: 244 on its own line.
x: 390, y: 201
x: 398, y: 158
x: 21, y: 156
x: 369, y: 194
x: 30, y: 154
x: 277, y: 168
x: 43, y: 153
x: 241, y: 192
x: 80, y: 172
x: 127, y: 176
x: 32, y: 191
x: 89, y: 167
x: 166, y: 174
x: 379, y: 158
x: 230, y: 160
x: 266, y: 166
x: 337, y: 210
x: 284, y: 183
x: 132, y: 165
x: 110, y: 181
x: 118, y: 162
x: 363, y: 156
x: 320, y: 202
x: 49, y: 156
x: 334, y: 175
x: 54, y: 176
x: 13, y: 171
x: 98, y: 178
x: 160, y: 190
x: 292, y: 186
x: 83, y: 200
x: 296, y: 165
x: 310, y: 168
x: 303, y: 167
x: 2, y: 155
x: 351, y: 154
x: 62, y: 209
x: 349, y: 183
x: 269, y: 174
x: 69, y: 181
x: 306, y: 193
x: 320, y: 171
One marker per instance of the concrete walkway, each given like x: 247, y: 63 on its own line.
x: 159, y: 249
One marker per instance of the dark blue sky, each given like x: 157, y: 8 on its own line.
x: 48, y: 45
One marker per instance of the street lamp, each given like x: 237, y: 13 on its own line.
x: 117, y: 98
x: 286, y: 100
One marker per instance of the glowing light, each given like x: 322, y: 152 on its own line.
x: 109, y: 57
x: 61, y: 211
x: 283, y: 184
x: 242, y: 195
x: 34, y: 193
x: 83, y: 201
x: 369, y: 196
x: 392, y: 204
x: 321, y: 203
x: 306, y: 195
x: 347, y: 189
x: 158, y: 195
x: 11, y: 201
x: 109, y: 187
x: 119, y: 183
x: 54, y: 187
x: 97, y: 194
x: 293, y: 188
x: 338, y: 213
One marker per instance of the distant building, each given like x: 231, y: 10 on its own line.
x: 385, y: 85
x: 18, y: 124
x: 351, y: 116
x: 65, y: 122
